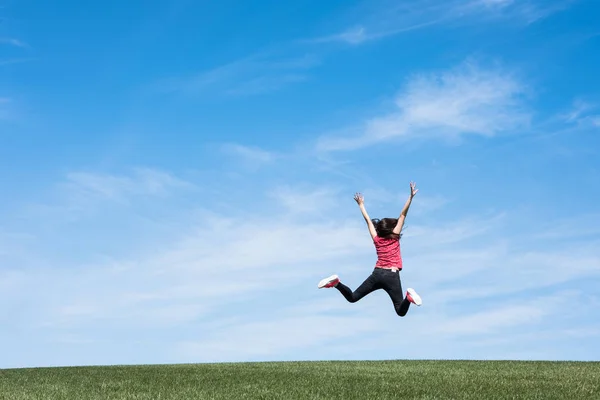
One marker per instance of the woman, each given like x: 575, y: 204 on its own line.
x: 386, y: 235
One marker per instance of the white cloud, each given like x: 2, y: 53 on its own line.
x: 498, y: 270
x: 383, y: 18
x: 380, y: 19
x: 271, y: 339
x: 465, y: 100
x: 393, y: 200
x: 355, y: 330
x: 496, y: 3
x: 13, y: 42
x: 179, y: 280
x: 143, y: 182
x: 9, y: 61
x: 83, y: 193
x: 510, y: 328
x: 579, y: 108
x: 4, y: 112
x: 249, y: 154
x: 582, y: 114
x: 452, y: 233
x: 573, y: 227
x: 298, y: 200
x: 265, y: 84
x: 530, y: 11
x: 490, y: 321
x: 428, y: 204
x: 256, y: 74
x: 252, y: 276
x: 352, y: 36
x: 359, y: 35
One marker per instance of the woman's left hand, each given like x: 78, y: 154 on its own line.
x: 413, y: 189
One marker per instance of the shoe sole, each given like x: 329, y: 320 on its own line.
x: 325, y: 281
x: 416, y: 298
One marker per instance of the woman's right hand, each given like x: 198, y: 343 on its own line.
x: 359, y: 199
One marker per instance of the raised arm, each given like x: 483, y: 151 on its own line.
x: 400, y: 224
x: 361, y: 203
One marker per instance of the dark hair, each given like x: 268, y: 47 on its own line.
x: 385, y: 227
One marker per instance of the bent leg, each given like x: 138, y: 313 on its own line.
x: 369, y: 285
x: 393, y: 287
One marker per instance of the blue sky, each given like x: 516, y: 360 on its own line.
x: 178, y: 176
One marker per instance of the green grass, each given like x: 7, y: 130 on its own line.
x: 479, y: 380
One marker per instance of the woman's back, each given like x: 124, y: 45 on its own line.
x: 388, y: 252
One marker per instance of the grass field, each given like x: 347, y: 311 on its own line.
x: 310, y: 380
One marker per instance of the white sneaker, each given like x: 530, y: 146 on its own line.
x: 413, y: 297
x: 329, y: 282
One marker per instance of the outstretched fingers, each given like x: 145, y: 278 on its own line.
x: 358, y: 197
x: 413, y: 188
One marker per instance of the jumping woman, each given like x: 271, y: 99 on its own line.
x: 386, y: 235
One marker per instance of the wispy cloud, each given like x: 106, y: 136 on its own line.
x: 426, y: 204
x: 506, y: 329
x: 275, y: 337
x: 250, y: 154
x: 4, y: 102
x: 573, y: 227
x: 85, y: 193
x: 465, y: 100
x: 583, y: 114
x: 383, y: 18
x: 265, y: 84
x: 199, y: 272
x: 13, y: 42
x: 253, y: 75
x: 334, y: 322
x: 299, y: 200
x: 498, y: 318
x: 109, y: 187
x: 360, y: 34
x: 216, y: 275
x: 528, y: 11
x: 10, y: 61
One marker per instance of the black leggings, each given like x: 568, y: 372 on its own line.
x: 385, y: 279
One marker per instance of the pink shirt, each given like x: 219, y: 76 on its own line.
x: 388, y: 252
